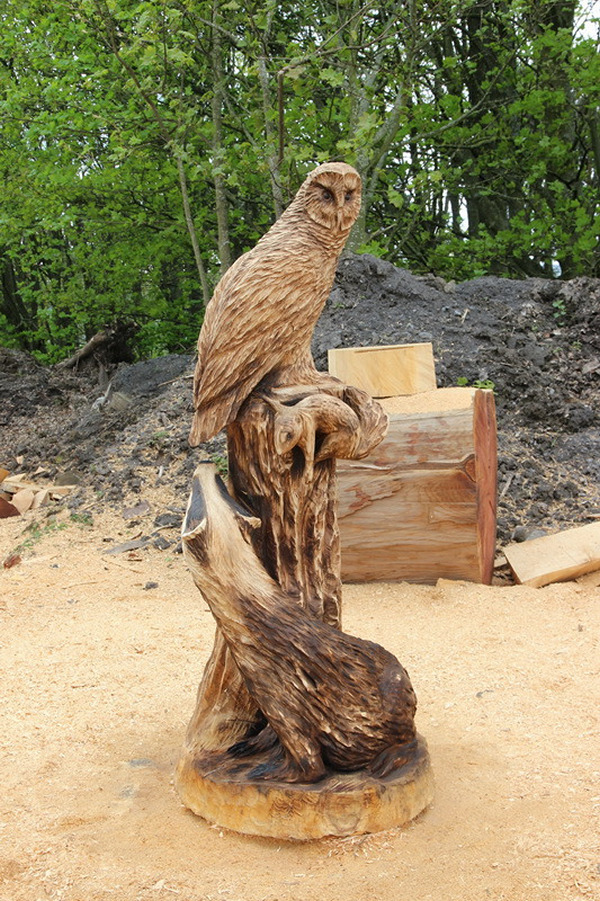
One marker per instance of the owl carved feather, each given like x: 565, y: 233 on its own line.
x: 259, y: 323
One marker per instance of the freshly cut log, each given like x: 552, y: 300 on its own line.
x: 556, y: 558
x: 422, y: 505
x: 388, y: 371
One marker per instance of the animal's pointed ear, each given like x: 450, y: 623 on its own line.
x: 195, y: 518
x: 247, y: 523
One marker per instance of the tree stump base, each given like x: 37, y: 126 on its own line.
x: 217, y: 787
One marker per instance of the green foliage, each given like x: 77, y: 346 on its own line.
x: 82, y: 519
x: 222, y: 464
x: 475, y: 128
x: 35, y: 532
x: 485, y: 384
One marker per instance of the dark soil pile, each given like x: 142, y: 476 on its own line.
x: 537, y: 342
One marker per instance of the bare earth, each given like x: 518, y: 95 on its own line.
x: 99, y: 678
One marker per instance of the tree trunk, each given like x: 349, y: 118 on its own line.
x: 221, y: 204
x: 287, y: 698
x: 294, y: 497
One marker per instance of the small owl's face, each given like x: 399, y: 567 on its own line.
x: 332, y: 196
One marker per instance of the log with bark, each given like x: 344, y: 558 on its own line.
x: 107, y: 347
x: 422, y: 505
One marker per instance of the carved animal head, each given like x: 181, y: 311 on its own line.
x: 331, y: 196
x: 214, y: 519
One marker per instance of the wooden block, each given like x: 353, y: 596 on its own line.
x: 556, y: 558
x: 18, y: 483
x: 58, y: 491
x: 41, y: 499
x: 23, y: 499
x: 422, y: 506
x: 385, y: 371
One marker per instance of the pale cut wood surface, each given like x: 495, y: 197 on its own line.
x: 385, y: 371
x: 556, y: 558
x: 422, y: 506
x: 341, y: 804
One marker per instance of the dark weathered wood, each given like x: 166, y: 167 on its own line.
x: 97, y: 341
x: 288, y: 483
x: 332, y: 699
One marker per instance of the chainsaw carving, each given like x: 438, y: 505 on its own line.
x: 292, y: 714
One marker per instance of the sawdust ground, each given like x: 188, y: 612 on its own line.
x: 99, y: 679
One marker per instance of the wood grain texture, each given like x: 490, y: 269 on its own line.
x: 333, y: 701
x: 385, y: 371
x: 260, y: 320
x: 287, y: 698
x: 222, y: 791
x: 422, y: 506
x: 556, y: 558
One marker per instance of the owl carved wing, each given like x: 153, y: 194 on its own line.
x: 260, y: 317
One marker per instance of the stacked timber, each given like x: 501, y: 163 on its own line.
x: 422, y: 505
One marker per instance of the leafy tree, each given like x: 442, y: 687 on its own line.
x: 146, y: 144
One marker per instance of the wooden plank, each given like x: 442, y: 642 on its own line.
x: 422, y: 506
x: 556, y: 558
x: 385, y: 371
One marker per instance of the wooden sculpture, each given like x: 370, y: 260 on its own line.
x: 259, y: 323
x: 299, y: 730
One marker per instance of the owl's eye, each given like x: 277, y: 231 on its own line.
x: 349, y: 195
x: 327, y: 195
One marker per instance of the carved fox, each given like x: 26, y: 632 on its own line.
x: 331, y: 701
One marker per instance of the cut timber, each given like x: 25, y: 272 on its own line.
x: 222, y: 791
x: 422, y: 505
x: 23, y: 499
x: 556, y: 558
x: 385, y: 371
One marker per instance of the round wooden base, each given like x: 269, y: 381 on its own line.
x: 217, y: 788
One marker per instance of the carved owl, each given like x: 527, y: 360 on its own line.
x: 260, y: 320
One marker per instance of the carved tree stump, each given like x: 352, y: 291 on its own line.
x: 299, y: 730
x: 287, y: 699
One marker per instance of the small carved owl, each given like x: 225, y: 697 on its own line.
x: 259, y: 323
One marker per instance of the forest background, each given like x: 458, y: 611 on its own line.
x: 146, y: 145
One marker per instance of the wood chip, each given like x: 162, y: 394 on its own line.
x: 41, y: 499
x: 7, y: 509
x: 23, y: 499
x: 11, y: 560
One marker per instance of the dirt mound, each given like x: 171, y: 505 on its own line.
x: 536, y: 342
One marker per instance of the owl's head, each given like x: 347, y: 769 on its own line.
x: 331, y: 196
